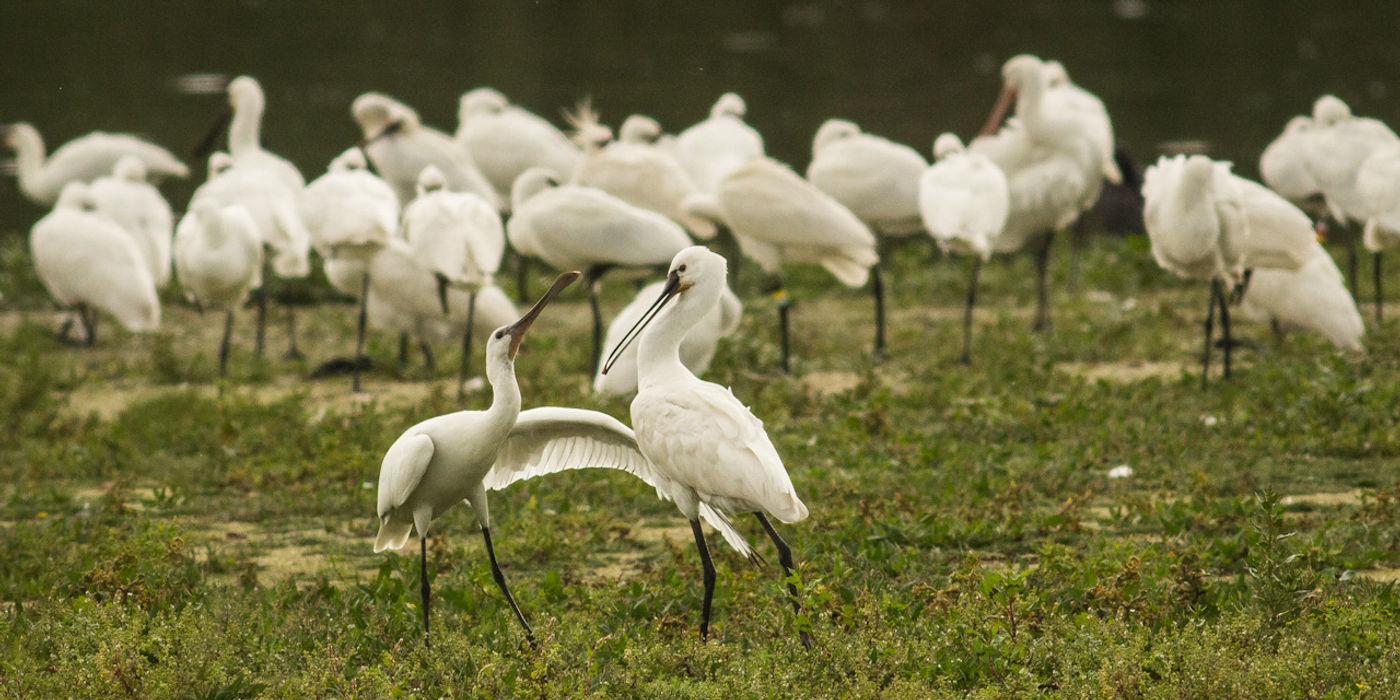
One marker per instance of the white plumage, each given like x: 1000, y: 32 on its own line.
x: 454, y: 234
x: 963, y: 199
x: 400, y: 147
x: 1378, y: 184
x: 1063, y: 97
x: 1336, y: 147
x: 246, y: 100
x: 83, y: 159
x: 505, y: 140
x: 877, y: 179
x: 218, y: 257
x: 697, y: 350
x: 87, y: 261
x: 126, y: 198
x: 273, y: 206
x: 716, y: 146
x: 349, y: 211
x: 1313, y: 297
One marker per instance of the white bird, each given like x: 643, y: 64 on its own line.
x: 218, y: 258
x: 714, y: 147
x: 439, y: 462
x: 697, y: 349
x: 1062, y: 96
x: 878, y: 180
x: 964, y: 201
x: 275, y: 209
x: 776, y: 216
x: 246, y: 105
x: 634, y: 169
x: 708, y: 452
x: 126, y: 198
x: 505, y: 140
x: 1206, y: 223
x: 350, y: 213
x: 1053, y: 170
x: 89, y: 262
x: 577, y: 227
x: 1378, y: 183
x: 83, y: 159
x: 458, y: 237
x: 400, y: 146
x: 1284, y: 163
x: 1313, y: 297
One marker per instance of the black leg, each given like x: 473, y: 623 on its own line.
x: 360, y: 333
x: 223, y: 345
x: 403, y: 351
x: 260, y: 338
x: 428, y: 361
x: 522, y: 279
x: 783, y: 307
x: 967, y: 313
x: 1042, y: 302
x: 292, y: 352
x: 709, y: 567
x: 89, y: 319
x: 1210, y: 331
x: 466, y: 349
x: 501, y: 582
x: 877, y: 285
x: 1225, y: 326
x: 1351, y: 258
x: 1376, y: 274
x: 785, y: 558
x: 423, y: 584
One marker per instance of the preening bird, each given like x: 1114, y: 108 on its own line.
x: 1313, y: 297
x: 634, y: 169
x: 778, y: 217
x: 274, y: 208
x: 878, y: 180
x: 577, y: 227
x: 716, y: 146
x: 351, y: 214
x: 246, y: 104
x: 505, y: 140
x: 458, y: 237
x: 697, y: 349
x: 964, y: 201
x: 218, y: 258
x: 90, y: 263
x: 126, y: 198
x: 708, y: 452
x: 1053, y: 169
x: 1062, y: 96
x: 439, y: 462
x: 83, y: 159
x: 400, y: 147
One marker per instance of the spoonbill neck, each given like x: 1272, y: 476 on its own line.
x: 29, y: 158
x: 659, y: 348
x: 505, y: 391
x: 245, y: 129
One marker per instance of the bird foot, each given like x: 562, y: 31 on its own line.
x: 293, y: 354
x: 341, y: 366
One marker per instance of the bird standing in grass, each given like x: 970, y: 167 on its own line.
x: 708, y: 452
x: 218, y: 257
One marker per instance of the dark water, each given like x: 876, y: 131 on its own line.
x: 1229, y: 73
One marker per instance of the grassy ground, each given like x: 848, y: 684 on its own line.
x: 160, y: 539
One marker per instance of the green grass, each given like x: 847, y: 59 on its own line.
x: 161, y: 539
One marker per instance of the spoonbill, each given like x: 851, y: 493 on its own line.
x: 505, y: 140
x: 697, y: 349
x: 1053, y: 170
x: 246, y: 104
x: 634, y: 169
x: 707, y: 450
x: 83, y: 159
x: 1206, y: 223
x: 777, y: 216
x: 1378, y: 183
x: 573, y: 226
x: 1313, y: 297
x: 88, y: 262
x: 218, y: 258
x: 400, y: 146
x: 274, y: 209
x: 350, y: 213
x: 714, y: 147
x: 126, y: 198
x: 964, y: 201
x: 458, y: 237
x: 439, y: 462
x: 878, y: 180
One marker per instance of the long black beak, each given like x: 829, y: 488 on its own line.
x: 517, y: 329
x: 206, y: 144
x: 673, y: 287
x: 442, y: 290
x: 389, y: 129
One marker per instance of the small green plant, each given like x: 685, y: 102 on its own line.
x: 1280, y: 583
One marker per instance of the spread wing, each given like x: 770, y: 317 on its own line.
x: 551, y: 439
x: 402, y: 469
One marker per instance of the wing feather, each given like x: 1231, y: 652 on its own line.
x: 402, y: 469
x: 550, y: 439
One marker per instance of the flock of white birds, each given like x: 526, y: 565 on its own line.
x: 415, y: 224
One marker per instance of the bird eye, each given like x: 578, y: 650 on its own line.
x: 500, y: 334
x: 681, y: 268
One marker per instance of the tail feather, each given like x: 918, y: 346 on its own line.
x: 849, y: 272
x: 392, y: 535
x: 736, y: 539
